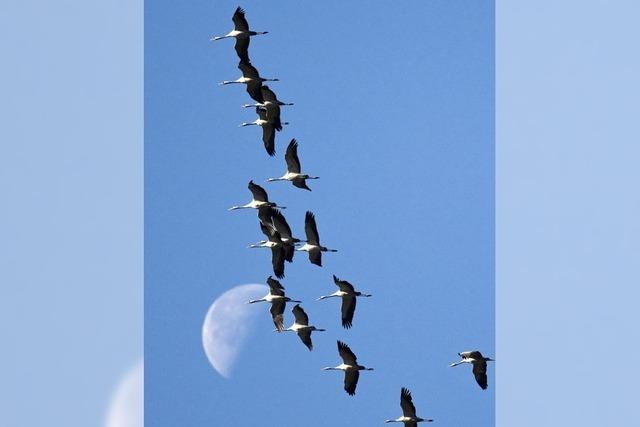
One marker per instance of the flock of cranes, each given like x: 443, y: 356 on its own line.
x: 283, y: 245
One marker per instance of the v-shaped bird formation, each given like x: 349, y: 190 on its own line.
x: 283, y: 244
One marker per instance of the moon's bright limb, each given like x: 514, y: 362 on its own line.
x: 227, y: 325
x: 127, y: 407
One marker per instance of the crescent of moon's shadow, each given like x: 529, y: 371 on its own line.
x: 227, y: 325
x: 126, y: 407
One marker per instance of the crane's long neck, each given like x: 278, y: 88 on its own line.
x: 459, y: 363
x: 331, y: 368
x: 276, y: 179
x: 253, y: 301
x: 233, y: 208
x: 393, y: 421
x: 327, y: 296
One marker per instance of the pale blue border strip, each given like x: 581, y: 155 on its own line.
x: 568, y: 213
x: 70, y: 208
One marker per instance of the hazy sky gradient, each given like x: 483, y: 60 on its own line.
x: 404, y: 108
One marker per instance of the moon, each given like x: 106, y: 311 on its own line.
x: 227, y: 325
x: 126, y: 407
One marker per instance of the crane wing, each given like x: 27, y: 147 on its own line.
x: 275, y: 287
x: 299, y: 315
x: 291, y: 157
x: 273, y: 115
x: 315, y: 257
x: 239, y: 21
x: 269, y: 139
x: 269, y: 95
x: 277, y: 260
x: 406, y: 403
x: 351, y: 381
x: 280, y: 222
x: 300, y: 183
x: 348, y: 309
x: 346, y: 354
x: 277, y: 310
x: 242, y: 48
x: 480, y: 372
x: 343, y: 285
x: 311, y: 229
x: 253, y: 89
x: 305, y: 337
x: 259, y: 193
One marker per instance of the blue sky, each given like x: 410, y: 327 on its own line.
x: 404, y: 109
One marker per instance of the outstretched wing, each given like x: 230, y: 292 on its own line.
x: 275, y: 287
x: 269, y: 139
x: 480, y: 372
x: 348, y: 309
x: 300, y: 183
x: 242, y: 48
x: 406, y: 403
x: 300, y: 316
x: 253, y: 89
x: 311, y: 229
x: 315, y: 256
x: 239, y: 21
x: 351, y: 381
x: 305, y: 336
x: 269, y: 95
x: 277, y: 260
x: 280, y: 222
x: 273, y: 115
x: 289, y: 252
x: 277, y: 310
x: 259, y: 193
x: 343, y: 285
x: 291, y: 157
x: 250, y: 72
x: 346, y: 354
